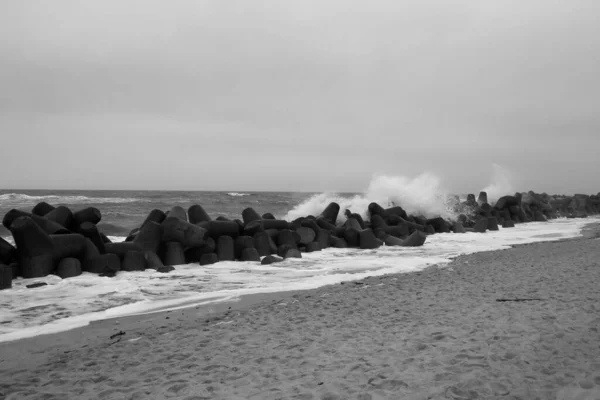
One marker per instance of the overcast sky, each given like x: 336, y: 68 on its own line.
x: 298, y: 95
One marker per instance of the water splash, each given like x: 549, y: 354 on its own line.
x: 500, y: 185
x: 421, y: 195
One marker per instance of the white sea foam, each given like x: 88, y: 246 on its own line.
x: 69, y: 303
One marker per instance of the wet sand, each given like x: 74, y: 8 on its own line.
x: 435, y: 334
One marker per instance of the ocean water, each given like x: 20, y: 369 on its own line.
x: 123, y: 211
x: 69, y: 303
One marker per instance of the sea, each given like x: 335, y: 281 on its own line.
x: 74, y: 302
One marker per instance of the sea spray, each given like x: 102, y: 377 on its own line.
x: 422, y: 195
x: 500, y: 185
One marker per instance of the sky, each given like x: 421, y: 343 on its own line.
x: 300, y: 95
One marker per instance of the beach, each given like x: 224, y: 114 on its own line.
x: 436, y: 334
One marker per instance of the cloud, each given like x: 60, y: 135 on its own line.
x: 350, y: 86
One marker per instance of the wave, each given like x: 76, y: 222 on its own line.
x: 422, y: 195
x: 235, y: 194
x: 25, y: 198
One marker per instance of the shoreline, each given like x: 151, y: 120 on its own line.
x: 586, y: 230
x: 26, y: 356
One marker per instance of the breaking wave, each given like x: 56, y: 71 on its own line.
x: 501, y: 184
x: 422, y: 195
x: 235, y: 194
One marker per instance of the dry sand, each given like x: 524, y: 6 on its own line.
x: 437, y: 334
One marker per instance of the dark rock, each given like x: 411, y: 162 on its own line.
x: 134, y: 261
x: 325, y: 224
x: 68, y: 268
x: 352, y: 223
x: 121, y: 248
x: 281, y: 250
x: 337, y: 242
x: 292, y: 253
x: 6, y: 276
x: 250, y: 254
x: 307, y: 235
x: 90, y: 231
x: 149, y: 236
x: 323, y: 238
x: 7, y: 252
x: 288, y: 237
x: 157, y: 216
x: 105, y: 238
x: 313, y: 246
x: 193, y: 254
x: 505, y: 202
x: 178, y: 230
x: 355, y: 216
x: 311, y: 223
x: 71, y: 245
x: 50, y: 227
x: 268, y: 216
x: 174, y: 254
x: 352, y: 237
x: 35, y: 285
x: 458, y: 227
x: 91, y: 250
x: 482, y: 198
x: 165, y: 269
x: 396, y: 210
x: 89, y: 214
x: 61, y: 215
x: 209, y: 258
x: 103, y: 263
x: 262, y: 243
x: 417, y: 238
x: 492, y: 224
x: 390, y: 240
x: 197, y: 214
x: 368, y: 240
x: 430, y: 230
x: 222, y: 218
x: 177, y: 212
x: 35, y: 248
x: 377, y: 222
x: 153, y: 261
x: 42, y: 208
x: 221, y: 228
x: 16, y: 269
x: 538, y: 216
x: 249, y: 215
x: 376, y: 209
x: 439, y: 225
x: 508, y: 223
x: 242, y: 243
x: 253, y: 227
x: 271, y: 260
x: 330, y: 213
x: 225, y: 248
x: 12, y: 215
x: 278, y: 224
x: 481, y: 225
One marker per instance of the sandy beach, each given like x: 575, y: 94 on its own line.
x: 436, y: 334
